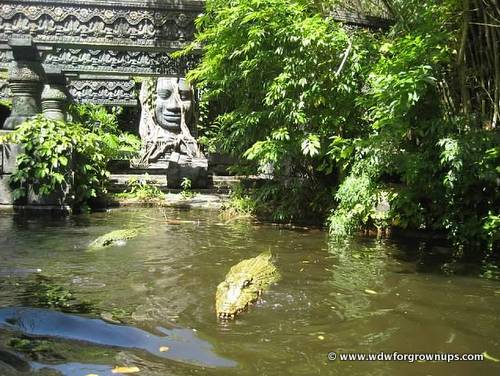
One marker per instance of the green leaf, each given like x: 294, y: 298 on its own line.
x: 311, y: 145
x: 63, y: 160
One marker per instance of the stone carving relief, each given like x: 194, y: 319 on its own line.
x: 167, y: 121
x: 132, y: 37
x: 102, y: 25
x: 113, y: 61
x: 103, y: 92
x: 356, y: 21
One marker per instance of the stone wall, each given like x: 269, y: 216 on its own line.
x: 8, y: 153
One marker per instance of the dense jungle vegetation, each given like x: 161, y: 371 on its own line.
x: 363, y: 128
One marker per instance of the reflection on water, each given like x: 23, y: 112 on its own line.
x: 356, y: 274
x: 363, y: 296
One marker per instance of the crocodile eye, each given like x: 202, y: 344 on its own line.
x: 246, y: 283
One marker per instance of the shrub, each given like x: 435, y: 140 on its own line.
x: 59, y: 157
x: 103, y: 122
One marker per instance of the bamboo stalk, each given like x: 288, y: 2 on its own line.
x: 476, y: 62
x: 496, y: 103
x: 461, y: 60
x: 492, y: 35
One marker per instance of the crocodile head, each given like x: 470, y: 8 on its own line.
x: 116, y: 237
x: 244, y: 284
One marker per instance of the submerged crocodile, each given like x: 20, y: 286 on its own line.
x: 116, y: 237
x: 244, y: 284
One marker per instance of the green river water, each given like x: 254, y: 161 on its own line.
x: 364, y: 296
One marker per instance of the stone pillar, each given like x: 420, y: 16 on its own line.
x: 25, y: 82
x: 55, y: 95
x: 54, y: 102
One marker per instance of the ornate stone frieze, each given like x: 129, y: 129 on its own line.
x: 100, y: 24
x: 25, y: 71
x: 117, y: 61
x: 109, y: 61
x: 356, y: 20
x: 117, y: 93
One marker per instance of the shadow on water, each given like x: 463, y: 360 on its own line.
x: 177, y: 344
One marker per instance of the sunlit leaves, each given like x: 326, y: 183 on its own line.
x: 266, y: 151
x: 269, y: 65
x: 311, y: 145
x: 281, y: 134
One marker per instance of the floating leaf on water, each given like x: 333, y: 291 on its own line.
x: 489, y: 357
x: 368, y: 291
x: 452, y: 338
x: 164, y: 348
x: 173, y: 222
x: 321, y: 338
x: 125, y: 370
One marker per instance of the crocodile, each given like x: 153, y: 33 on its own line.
x: 244, y: 284
x: 116, y: 237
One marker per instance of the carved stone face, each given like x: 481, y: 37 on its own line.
x: 172, y: 93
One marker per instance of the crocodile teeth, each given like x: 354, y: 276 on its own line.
x: 226, y: 316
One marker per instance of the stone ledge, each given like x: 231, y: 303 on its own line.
x: 217, y: 184
x: 55, y: 209
x: 211, y: 201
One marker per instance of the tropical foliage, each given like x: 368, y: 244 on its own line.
x: 352, y: 120
x: 144, y: 189
x: 68, y: 159
x: 104, y: 122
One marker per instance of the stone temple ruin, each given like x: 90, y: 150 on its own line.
x: 87, y: 51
